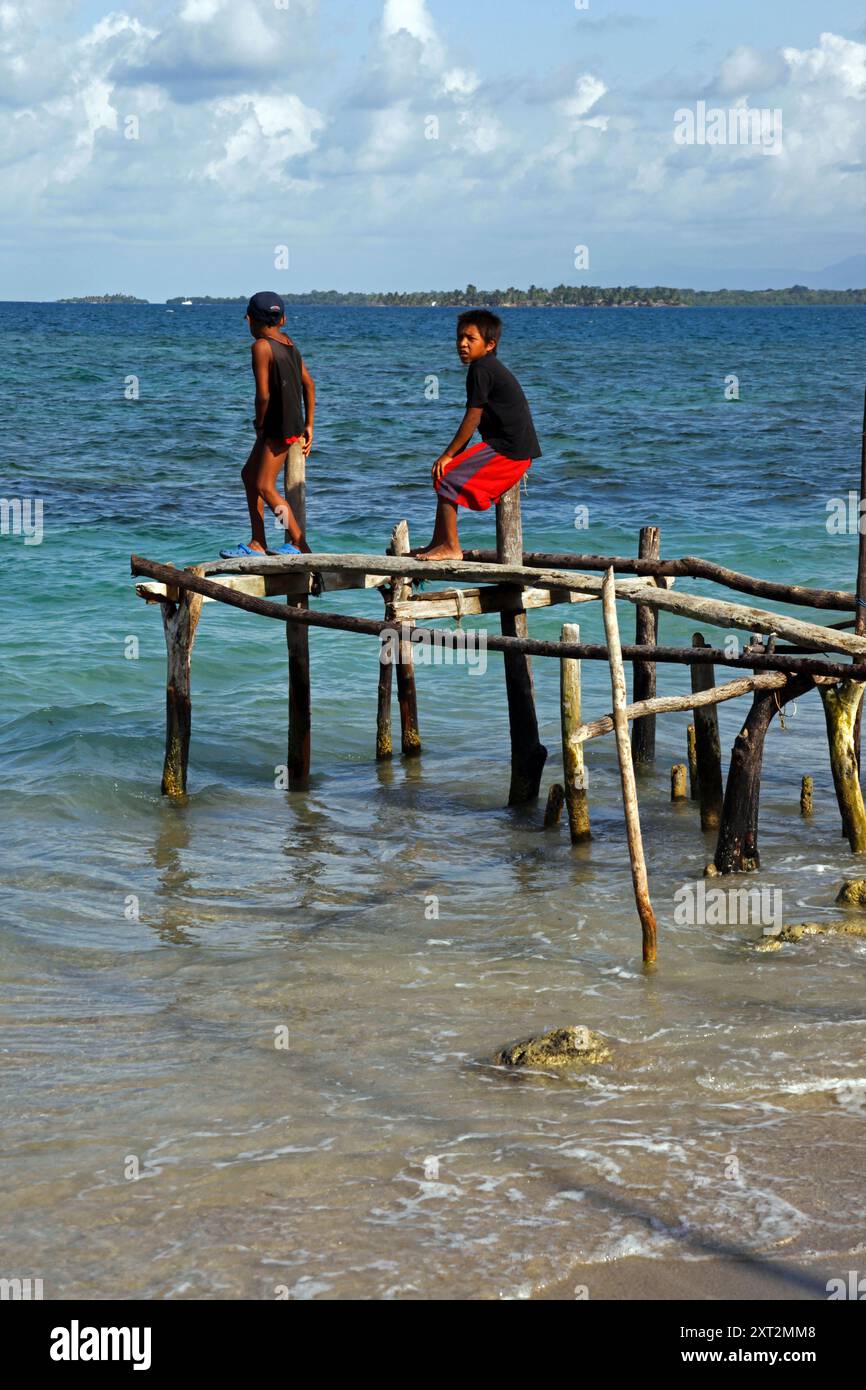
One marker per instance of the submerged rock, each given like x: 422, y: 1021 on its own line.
x: 853, y: 892
x: 798, y: 930
x: 562, y: 1047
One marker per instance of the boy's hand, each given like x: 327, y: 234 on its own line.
x: 440, y: 465
x: 307, y: 440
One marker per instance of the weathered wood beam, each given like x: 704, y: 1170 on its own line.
x: 257, y: 585
x: 684, y: 656
x: 689, y: 567
x: 672, y: 704
x: 493, y: 598
x: 719, y: 612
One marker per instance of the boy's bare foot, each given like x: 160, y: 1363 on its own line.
x: 420, y: 551
x: 441, y: 552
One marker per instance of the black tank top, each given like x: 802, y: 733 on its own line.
x: 285, y: 413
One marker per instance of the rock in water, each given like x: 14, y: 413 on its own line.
x: 853, y: 892
x: 562, y: 1047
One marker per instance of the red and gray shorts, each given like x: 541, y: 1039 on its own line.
x: 479, y: 477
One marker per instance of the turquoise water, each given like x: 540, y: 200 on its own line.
x: 150, y: 951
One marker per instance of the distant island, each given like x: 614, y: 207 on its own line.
x: 104, y: 299
x: 562, y: 297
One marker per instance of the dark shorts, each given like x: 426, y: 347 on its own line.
x: 479, y: 477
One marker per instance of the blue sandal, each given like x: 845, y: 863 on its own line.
x: 286, y: 549
x: 239, y: 552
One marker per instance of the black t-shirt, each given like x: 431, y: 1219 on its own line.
x: 506, y: 422
x: 284, y: 417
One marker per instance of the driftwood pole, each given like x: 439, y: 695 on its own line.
x: 678, y: 782
x: 626, y: 767
x: 298, y: 637
x: 860, y: 615
x: 842, y: 703
x: 179, y: 621
x: 407, y: 695
x: 737, y: 845
x: 528, y: 755
x: 692, y: 746
x: 384, y: 738
x: 708, y: 751
x: 643, y: 732
x: 572, y: 748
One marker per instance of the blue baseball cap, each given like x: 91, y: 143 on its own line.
x: 266, y: 307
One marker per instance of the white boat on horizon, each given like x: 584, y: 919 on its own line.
x: 186, y: 303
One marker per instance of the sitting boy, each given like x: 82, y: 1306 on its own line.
x: 497, y: 408
x: 285, y: 407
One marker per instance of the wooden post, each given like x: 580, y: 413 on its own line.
x: 407, y: 694
x: 860, y: 615
x: 707, y: 746
x: 626, y: 767
x: 298, y: 638
x: 678, y: 782
x: 841, y: 703
x: 528, y: 754
x: 384, y: 741
x: 692, y: 744
x: 807, y: 788
x: 179, y: 621
x: 572, y: 748
x: 553, y: 809
x: 737, y: 845
x: 643, y: 733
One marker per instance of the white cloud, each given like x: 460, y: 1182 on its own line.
x: 588, y: 92
x: 265, y: 132
x: 837, y: 63
x: 747, y: 70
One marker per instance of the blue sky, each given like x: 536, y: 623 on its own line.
x: 163, y: 148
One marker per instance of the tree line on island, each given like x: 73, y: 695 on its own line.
x: 561, y: 297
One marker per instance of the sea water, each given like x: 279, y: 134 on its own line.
x: 246, y: 1040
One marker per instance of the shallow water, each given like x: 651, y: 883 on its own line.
x: 276, y: 1008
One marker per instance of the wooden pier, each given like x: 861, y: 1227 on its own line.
x: 783, y: 658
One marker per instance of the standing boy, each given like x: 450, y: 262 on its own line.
x: 497, y: 408
x: 285, y: 409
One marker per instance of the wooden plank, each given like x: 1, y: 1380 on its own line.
x: 812, y: 667
x: 691, y: 567
x: 627, y: 777
x: 719, y: 612
x: 494, y: 598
